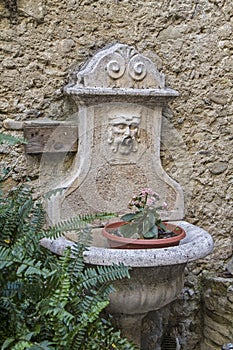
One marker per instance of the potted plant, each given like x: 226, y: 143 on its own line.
x: 143, y: 227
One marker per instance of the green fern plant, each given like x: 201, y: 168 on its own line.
x: 46, y: 301
x: 10, y: 139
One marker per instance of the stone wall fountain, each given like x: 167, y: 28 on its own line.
x: 120, y: 97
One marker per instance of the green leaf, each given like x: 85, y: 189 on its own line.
x: 162, y: 226
x: 128, y: 217
x: 21, y: 269
x: 10, y: 140
x: 153, y: 233
x: 129, y: 230
x: 148, y: 223
x: 7, y: 342
x: 45, y: 345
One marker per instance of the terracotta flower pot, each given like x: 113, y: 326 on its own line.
x: 109, y: 231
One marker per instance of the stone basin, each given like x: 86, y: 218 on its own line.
x: 196, y: 245
x: 156, y: 277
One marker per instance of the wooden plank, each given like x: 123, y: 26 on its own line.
x: 50, y: 138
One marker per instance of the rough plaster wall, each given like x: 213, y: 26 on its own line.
x: 190, y: 41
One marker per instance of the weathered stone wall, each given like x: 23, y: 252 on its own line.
x: 218, y: 311
x: 191, y: 42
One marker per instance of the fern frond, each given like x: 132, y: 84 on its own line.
x: 37, y: 220
x: 45, y: 345
x: 9, y: 290
x: 14, y: 213
x: 6, y: 343
x: 77, y: 264
x: 27, y: 266
x: 79, y: 332
x: 61, y: 294
x: 10, y: 140
x: 73, y: 224
x: 76, y: 223
x: 52, y: 193
x: 21, y: 345
x: 103, y: 274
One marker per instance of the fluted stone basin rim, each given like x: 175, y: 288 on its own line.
x: 196, y: 245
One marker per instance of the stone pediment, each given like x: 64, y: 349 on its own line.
x: 120, y: 70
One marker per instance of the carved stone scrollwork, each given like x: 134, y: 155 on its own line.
x: 137, y: 68
x: 116, y: 67
x: 120, y: 67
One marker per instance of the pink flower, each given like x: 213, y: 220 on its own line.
x: 148, y: 191
x: 150, y: 201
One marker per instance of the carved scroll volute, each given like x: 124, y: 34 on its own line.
x: 116, y: 66
x: 132, y: 67
x: 137, y: 68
